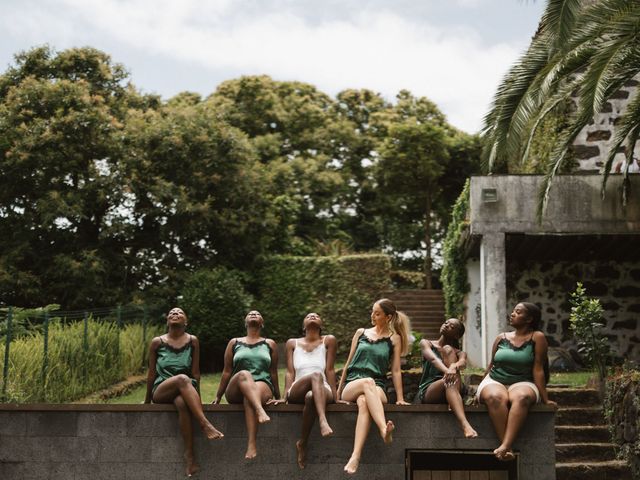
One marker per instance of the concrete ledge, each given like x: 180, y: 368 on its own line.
x: 96, y: 442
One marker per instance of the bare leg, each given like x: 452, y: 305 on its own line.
x: 186, y: 429
x: 308, y: 418
x: 242, y: 386
x: 521, y: 399
x: 375, y: 398
x: 454, y: 399
x: 363, y: 424
x: 181, y: 385
x: 496, y: 398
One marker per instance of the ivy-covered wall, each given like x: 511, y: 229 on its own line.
x: 340, y: 289
x: 549, y: 284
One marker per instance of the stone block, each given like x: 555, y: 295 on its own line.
x: 310, y: 472
x: 13, y: 424
x: 100, y: 471
x: 166, y: 449
x: 11, y: 470
x: 150, y: 471
x: 25, y: 449
x: 153, y: 424
x: 52, y: 424
x: 102, y: 424
x: 386, y: 471
x: 47, y: 471
x: 75, y: 449
x: 124, y: 450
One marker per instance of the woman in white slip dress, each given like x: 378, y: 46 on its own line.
x: 311, y: 378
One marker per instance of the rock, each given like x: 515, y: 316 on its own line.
x: 561, y: 360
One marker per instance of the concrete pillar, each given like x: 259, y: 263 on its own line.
x: 472, y: 342
x: 493, y: 289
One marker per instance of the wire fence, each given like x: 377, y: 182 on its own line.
x: 18, y: 325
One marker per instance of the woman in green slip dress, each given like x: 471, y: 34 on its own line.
x: 440, y: 381
x: 373, y: 351
x: 250, y: 376
x: 174, y: 376
x: 515, y: 378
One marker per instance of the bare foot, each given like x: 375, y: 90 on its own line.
x: 504, y: 454
x: 192, y: 466
x: 388, y: 434
x: 352, y: 466
x: 251, y: 452
x: 325, y: 429
x: 302, y: 453
x: 468, y: 431
x: 262, y: 416
x: 211, y: 432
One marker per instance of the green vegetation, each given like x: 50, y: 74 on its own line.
x: 115, y: 197
x: 573, y: 379
x: 340, y: 289
x: 74, y: 368
x: 455, y: 283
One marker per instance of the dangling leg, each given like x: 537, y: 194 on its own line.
x: 521, y: 399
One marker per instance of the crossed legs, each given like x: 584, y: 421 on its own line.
x: 370, y: 399
x: 253, y: 395
x: 180, y: 391
x: 508, y: 410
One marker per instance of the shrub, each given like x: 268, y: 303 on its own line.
x: 340, y: 289
x: 216, y: 302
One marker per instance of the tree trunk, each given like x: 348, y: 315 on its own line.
x: 427, y: 241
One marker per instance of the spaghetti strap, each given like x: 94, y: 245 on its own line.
x: 323, y: 338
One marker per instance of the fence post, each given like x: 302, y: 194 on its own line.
x: 144, y: 335
x: 85, y: 348
x: 45, y: 356
x: 5, y: 370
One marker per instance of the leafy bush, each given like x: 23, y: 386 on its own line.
x: 407, y: 279
x: 586, y: 322
x: 340, y: 289
x: 72, y: 372
x: 621, y: 405
x: 216, y: 302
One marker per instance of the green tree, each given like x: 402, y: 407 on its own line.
x: 61, y: 115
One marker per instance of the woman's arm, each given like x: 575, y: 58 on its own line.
x: 396, y: 372
x: 354, y: 344
x: 541, y: 348
x: 330, y: 372
x: 494, y: 349
x: 273, y: 369
x: 226, y: 371
x: 151, y: 374
x: 429, y: 356
x: 289, y: 377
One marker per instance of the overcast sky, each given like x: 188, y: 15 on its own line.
x: 452, y: 51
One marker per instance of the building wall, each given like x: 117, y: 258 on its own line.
x: 550, y: 284
x: 119, y: 442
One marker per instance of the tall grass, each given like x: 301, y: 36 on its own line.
x: 72, y: 370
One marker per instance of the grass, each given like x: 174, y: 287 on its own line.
x: 573, y: 379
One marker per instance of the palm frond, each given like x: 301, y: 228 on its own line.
x: 559, y: 18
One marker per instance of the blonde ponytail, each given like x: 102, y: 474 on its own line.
x: 399, y: 323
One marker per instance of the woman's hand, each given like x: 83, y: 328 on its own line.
x: 550, y: 403
x: 451, y: 377
x: 343, y: 402
x: 216, y: 401
x: 402, y: 402
x: 276, y: 401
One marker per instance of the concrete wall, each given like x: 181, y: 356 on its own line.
x: 473, y: 321
x: 105, y: 442
x: 575, y: 205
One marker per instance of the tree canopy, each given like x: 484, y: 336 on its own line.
x: 109, y: 195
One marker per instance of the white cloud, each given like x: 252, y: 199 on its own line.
x: 379, y: 50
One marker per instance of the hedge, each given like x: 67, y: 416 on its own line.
x: 622, y: 409
x: 340, y: 289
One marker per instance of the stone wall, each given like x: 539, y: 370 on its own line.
x: 116, y: 442
x: 550, y: 283
x: 591, y: 146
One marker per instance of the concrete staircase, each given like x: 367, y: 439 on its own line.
x: 425, y: 308
x: 583, y: 448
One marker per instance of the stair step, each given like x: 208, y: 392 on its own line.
x: 579, y: 416
x: 575, y: 396
x: 613, y: 470
x: 581, y: 433
x: 583, y: 452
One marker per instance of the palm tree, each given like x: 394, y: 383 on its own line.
x: 582, y: 47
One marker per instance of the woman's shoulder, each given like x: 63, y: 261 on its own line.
x: 329, y: 339
x: 538, y: 336
x: 271, y: 342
